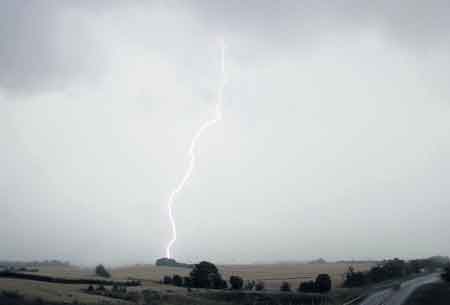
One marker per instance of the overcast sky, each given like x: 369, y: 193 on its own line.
x: 334, y: 141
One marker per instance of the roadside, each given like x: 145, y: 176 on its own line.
x: 397, y: 294
x: 430, y: 294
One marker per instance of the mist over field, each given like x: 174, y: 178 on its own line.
x: 334, y: 140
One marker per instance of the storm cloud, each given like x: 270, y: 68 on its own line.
x: 334, y: 141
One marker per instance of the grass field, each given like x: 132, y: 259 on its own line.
x: 150, y: 275
x: 271, y: 274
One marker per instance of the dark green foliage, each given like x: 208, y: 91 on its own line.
x: 187, y: 282
x: 206, y: 275
x: 12, y: 294
x: 177, y: 280
x: 80, y: 281
x: 100, y: 270
x: 308, y: 286
x: 101, y: 288
x: 446, y: 274
x: 323, y: 283
x: 236, y: 282
x: 391, y: 269
x: 216, y: 281
x: 430, y: 294
x: 249, y: 285
x: 119, y: 289
x: 354, y: 279
x: 285, y: 286
x: 90, y: 288
x: 170, y: 262
x: 167, y: 280
x: 259, y: 286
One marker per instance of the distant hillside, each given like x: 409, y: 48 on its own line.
x: 24, y: 264
x: 170, y: 262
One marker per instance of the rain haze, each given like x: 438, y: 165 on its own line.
x: 334, y: 140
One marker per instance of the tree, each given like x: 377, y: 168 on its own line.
x: 236, y: 282
x: 323, y: 283
x: 249, y: 285
x: 100, y: 270
x: 308, y: 286
x: 177, y: 280
x: 216, y: 281
x: 167, y: 280
x: 259, y: 286
x: 187, y: 282
x: 446, y: 274
x: 354, y: 279
x: 285, y: 286
x: 205, y: 275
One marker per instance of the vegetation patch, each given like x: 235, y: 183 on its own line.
x: 430, y: 294
x: 50, y: 279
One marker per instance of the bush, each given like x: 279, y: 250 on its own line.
x: 354, y: 279
x: 259, y: 286
x: 187, y: 282
x: 308, y: 286
x: 177, y: 280
x: 236, y: 282
x: 216, y: 281
x: 323, y: 283
x: 206, y: 275
x: 100, y: 270
x: 167, y: 280
x: 285, y: 286
x: 12, y: 294
x: 446, y: 274
x: 249, y: 285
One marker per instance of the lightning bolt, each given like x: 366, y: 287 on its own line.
x: 217, y: 117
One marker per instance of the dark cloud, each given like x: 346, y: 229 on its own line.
x: 43, y: 46
x: 414, y: 22
x: 48, y: 45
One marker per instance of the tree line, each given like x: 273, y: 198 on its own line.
x: 392, y: 269
x: 206, y: 275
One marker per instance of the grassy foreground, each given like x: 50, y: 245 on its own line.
x: 431, y: 294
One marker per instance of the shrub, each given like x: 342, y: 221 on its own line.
x: 206, y: 275
x: 177, y: 280
x: 308, y: 286
x: 12, y: 294
x: 167, y: 280
x: 187, y: 282
x: 285, y: 286
x: 236, y: 282
x: 446, y: 274
x: 323, y: 283
x: 216, y: 281
x: 249, y: 285
x: 259, y: 286
x: 354, y: 279
x: 100, y: 270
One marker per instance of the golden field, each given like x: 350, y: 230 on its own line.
x: 271, y: 274
x: 150, y: 275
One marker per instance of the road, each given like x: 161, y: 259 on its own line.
x: 398, y: 296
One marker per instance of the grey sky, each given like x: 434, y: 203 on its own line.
x: 334, y: 141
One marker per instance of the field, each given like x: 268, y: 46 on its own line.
x: 271, y: 274
x: 150, y: 275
